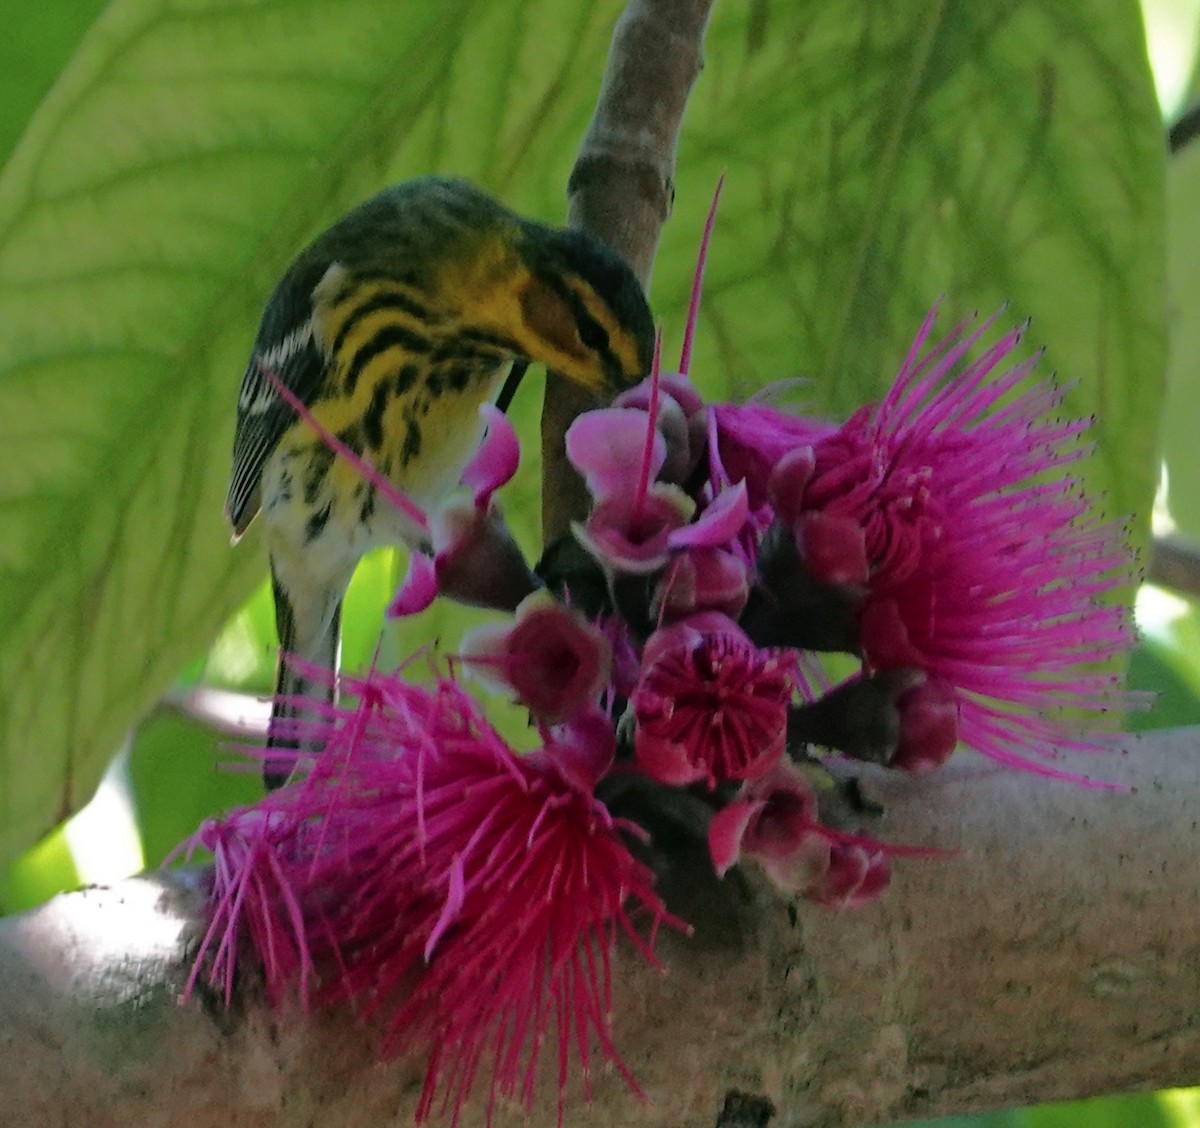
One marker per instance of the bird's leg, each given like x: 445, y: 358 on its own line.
x: 309, y: 624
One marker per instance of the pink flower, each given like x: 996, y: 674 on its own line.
x: 748, y: 441
x: 637, y: 520
x: 774, y: 823
x: 254, y: 898
x: 631, y: 533
x: 476, y: 562
x: 858, y: 873
x: 479, y: 898
x: 980, y: 562
x: 551, y: 658
x: 710, y: 705
x: 928, y: 726
x: 469, y: 896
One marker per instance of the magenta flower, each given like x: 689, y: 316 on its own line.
x: 709, y: 704
x: 253, y: 897
x: 703, y: 579
x: 928, y: 726
x: 470, y: 897
x: 479, y: 895
x: 747, y: 441
x: 858, y: 873
x: 949, y: 508
x: 550, y: 657
x: 773, y: 822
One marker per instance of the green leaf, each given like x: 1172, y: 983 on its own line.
x: 1142, y: 1109
x: 38, y: 874
x: 176, y: 758
x: 38, y: 40
x: 881, y: 157
x: 878, y: 157
x: 1171, y: 640
x: 1155, y: 667
x: 1183, y: 372
x: 157, y: 193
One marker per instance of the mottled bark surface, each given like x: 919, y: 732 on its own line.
x: 1055, y: 954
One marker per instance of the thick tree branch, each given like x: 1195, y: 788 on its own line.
x: 621, y: 190
x: 1054, y: 954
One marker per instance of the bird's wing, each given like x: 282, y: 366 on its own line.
x: 289, y: 345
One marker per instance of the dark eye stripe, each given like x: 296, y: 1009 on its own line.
x: 593, y: 335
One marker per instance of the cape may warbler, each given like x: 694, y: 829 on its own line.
x: 393, y: 327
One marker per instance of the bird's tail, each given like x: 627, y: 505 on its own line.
x: 309, y: 643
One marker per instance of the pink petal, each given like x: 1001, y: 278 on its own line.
x: 418, y: 590
x: 583, y: 749
x: 607, y: 447
x: 667, y: 761
x: 718, y: 524
x: 496, y: 460
x: 726, y: 831
x: 483, y: 651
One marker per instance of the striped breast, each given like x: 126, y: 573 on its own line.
x: 403, y: 388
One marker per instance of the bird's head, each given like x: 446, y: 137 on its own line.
x: 582, y: 311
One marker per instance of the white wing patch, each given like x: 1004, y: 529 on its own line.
x: 257, y: 394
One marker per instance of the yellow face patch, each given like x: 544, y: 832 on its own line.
x: 621, y: 343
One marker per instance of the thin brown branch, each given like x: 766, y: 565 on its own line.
x: 621, y: 189
x: 1175, y: 564
x: 1052, y: 954
x: 1184, y: 129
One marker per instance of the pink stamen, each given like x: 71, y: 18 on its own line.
x: 689, y: 332
x: 400, y: 500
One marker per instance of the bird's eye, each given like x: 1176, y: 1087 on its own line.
x: 593, y: 335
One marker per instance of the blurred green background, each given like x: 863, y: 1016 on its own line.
x: 159, y: 164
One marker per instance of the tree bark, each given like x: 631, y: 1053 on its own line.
x: 621, y: 190
x: 1054, y: 954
